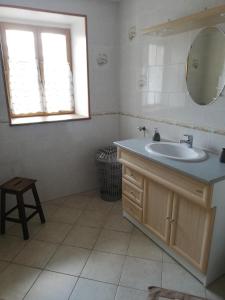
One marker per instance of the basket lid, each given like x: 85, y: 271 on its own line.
x: 107, y: 154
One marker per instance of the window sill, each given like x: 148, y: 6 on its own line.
x: 47, y: 119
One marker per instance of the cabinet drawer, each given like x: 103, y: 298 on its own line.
x: 197, y: 191
x: 133, y: 176
x: 133, y: 192
x: 132, y: 209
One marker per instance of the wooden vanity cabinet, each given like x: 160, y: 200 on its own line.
x: 178, y: 214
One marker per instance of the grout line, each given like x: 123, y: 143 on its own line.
x: 58, y: 245
x: 33, y: 284
x: 125, y: 258
x: 91, y: 251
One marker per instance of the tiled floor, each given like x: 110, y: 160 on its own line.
x: 87, y: 251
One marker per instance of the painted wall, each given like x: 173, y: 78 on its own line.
x: 62, y: 155
x: 153, y: 89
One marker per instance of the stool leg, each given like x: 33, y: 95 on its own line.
x: 22, y: 216
x: 38, y: 204
x: 2, y: 212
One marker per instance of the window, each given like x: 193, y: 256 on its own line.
x: 38, y: 70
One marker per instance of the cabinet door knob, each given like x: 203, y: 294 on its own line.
x: 172, y: 221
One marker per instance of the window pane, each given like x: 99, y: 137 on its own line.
x: 58, y: 77
x: 23, y: 72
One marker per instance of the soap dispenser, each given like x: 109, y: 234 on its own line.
x: 156, y: 136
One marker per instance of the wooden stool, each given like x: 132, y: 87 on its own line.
x: 18, y: 186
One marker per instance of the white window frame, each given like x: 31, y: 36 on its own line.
x: 78, y: 25
x: 37, y: 30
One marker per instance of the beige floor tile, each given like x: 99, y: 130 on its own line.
x: 52, y: 286
x: 118, y: 223
x: 68, y: 260
x: 113, y: 241
x: 93, y: 290
x: 53, y: 232
x: 15, y: 281
x: 92, y: 219
x: 36, y: 254
x: 66, y: 215
x: 76, y: 201
x: 10, y: 246
x: 168, y: 259
x: 104, y: 267
x: 99, y: 205
x: 175, y: 277
x: 142, y: 246
x: 124, y: 293
x: 57, y: 201
x: 91, y: 194
x: 140, y: 273
x: 82, y: 236
x: 3, y: 265
x: 48, y: 209
x: 216, y: 291
x: 33, y: 228
x: 117, y: 208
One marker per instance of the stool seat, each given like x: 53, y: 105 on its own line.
x: 18, y: 186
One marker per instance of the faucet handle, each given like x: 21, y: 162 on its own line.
x: 189, y: 137
x: 188, y: 141
x: 142, y: 128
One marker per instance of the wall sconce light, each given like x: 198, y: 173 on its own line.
x: 132, y: 33
x: 102, y: 59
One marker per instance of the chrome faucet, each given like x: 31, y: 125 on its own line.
x: 188, y: 140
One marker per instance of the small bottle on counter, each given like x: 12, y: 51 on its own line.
x: 156, y: 136
x: 222, y: 156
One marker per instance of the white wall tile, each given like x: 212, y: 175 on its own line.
x: 166, y: 97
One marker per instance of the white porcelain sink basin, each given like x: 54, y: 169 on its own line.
x: 176, y: 151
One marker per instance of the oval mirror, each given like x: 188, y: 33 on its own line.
x: 206, y: 66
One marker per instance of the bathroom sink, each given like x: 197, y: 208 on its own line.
x: 176, y: 151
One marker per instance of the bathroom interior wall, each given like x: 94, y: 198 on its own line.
x: 61, y: 156
x: 150, y: 90
x: 153, y: 90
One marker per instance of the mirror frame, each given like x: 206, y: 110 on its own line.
x: 214, y: 100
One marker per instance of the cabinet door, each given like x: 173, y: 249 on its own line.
x: 157, y: 210
x: 191, y: 230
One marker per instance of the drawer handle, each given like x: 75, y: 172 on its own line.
x: 132, y: 176
x: 172, y: 221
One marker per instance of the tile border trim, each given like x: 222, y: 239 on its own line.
x: 177, y: 123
